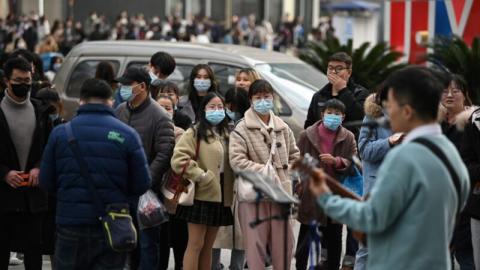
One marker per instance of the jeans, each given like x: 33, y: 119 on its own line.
x: 237, y: 260
x: 361, y: 258
x: 464, y: 259
x: 84, y: 247
x: 174, y: 233
x: 150, y: 248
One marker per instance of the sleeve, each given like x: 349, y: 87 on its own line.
x: 139, y: 179
x: 48, y: 177
x: 312, y: 114
x: 294, y: 152
x: 388, y: 200
x: 371, y: 148
x: 239, y: 159
x: 345, y: 162
x: 185, y: 151
x: 164, y: 142
x: 354, y: 104
x: 469, y: 154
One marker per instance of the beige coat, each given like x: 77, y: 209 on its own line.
x: 205, y: 171
x: 250, y: 145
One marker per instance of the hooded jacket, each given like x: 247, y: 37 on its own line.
x: 373, y: 143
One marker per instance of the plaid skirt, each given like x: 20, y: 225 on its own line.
x: 206, y: 213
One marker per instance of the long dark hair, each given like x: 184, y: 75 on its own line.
x: 192, y: 92
x: 203, y: 125
x: 239, y: 100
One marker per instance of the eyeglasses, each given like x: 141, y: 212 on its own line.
x: 453, y: 91
x: 336, y: 69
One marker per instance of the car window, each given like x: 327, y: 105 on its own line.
x: 225, y: 75
x: 280, y: 106
x: 82, y: 71
x: 179, y: 76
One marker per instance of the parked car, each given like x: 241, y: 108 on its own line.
x: 293, y: 80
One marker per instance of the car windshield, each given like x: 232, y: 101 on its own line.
x: 300, y: 73
x: 291, y: 83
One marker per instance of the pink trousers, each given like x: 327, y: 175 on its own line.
x: 270, y: 233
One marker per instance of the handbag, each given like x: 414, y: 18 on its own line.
x: 174, y: 191
x: 354, y: 182
x: 119, y: 231
x: 244, y: 189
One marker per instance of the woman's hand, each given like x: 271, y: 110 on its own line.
x: 328, y: 159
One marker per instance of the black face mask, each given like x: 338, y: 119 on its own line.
x: 21, y: 90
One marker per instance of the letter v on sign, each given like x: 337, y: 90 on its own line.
x: 453, y: 9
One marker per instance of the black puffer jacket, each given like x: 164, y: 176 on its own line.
x: 353, y: 96
x: 23, y: 199
x: 471, y: 156
x: 155, y: 128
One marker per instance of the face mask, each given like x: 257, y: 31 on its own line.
x: 56, y: 67
x: 154, y: 79
x: 126, y: 92
x: 202, y: 85
x: 332, y: 121
x: 214, y: 117
x: 53, y: 117
x: 232, y: 115
x: 21, y: 90
x: 263, y: 106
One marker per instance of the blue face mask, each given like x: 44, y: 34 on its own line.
x: 263, y: 106
x: 234, y: 116
x: 126, y: 92
x: 332, y: 121
x: 154, y: 79
x: 214, y: 117
x: 53, y: 116
x: 202, y: 85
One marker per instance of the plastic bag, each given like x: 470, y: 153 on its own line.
x: 151, y: 212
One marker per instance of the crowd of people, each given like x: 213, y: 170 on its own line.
x: 71, y: 189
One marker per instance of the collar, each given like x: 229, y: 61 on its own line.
x: 423, y: 131
x: 95, y: 108
x: 13, y: 103
x: 252, y: 121
x: 270, y: 125
x: 314, y: 137
x: 140, y: 107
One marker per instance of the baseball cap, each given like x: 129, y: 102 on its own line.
x: 134, y: 74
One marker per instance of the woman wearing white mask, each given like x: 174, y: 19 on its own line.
x: 202, y: 81
x: 202, y: 153
x: 260, y: 138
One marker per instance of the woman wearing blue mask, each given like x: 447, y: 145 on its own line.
x: 202, y: 81
x: 261, y: 139
x: 236, y: 104
x: 203, y: 152
x: 334, y: 146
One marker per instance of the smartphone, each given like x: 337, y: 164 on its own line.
x: 25, y: 177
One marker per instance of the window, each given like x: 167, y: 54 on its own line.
x: 84, y: 70
x: 225, y: 76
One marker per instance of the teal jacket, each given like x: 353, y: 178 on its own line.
x: 410, y: 215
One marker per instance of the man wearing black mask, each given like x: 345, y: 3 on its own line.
x: 23, y: 132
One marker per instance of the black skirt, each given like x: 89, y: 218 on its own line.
x: 206, y: 213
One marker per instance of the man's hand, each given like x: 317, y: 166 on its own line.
x: 33, y: 179
x: 318, y: 183
x: 328, y: 159
x: 14, y: 179
x: 396, y: 138
x: 338, y: 84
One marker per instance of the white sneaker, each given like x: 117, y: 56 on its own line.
x: 14, y: 260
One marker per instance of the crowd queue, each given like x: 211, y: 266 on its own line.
x: 136, y: 133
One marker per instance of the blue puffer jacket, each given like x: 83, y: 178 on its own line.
x: 115, y: 159
x: 373, y: 144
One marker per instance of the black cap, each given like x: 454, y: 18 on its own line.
x: 134, y: 74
